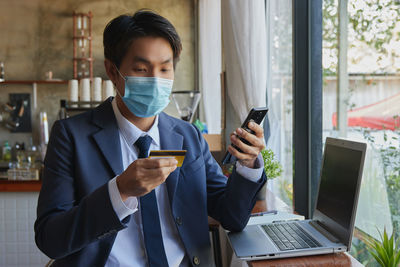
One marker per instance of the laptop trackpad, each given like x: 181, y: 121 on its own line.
x: 251, y: 242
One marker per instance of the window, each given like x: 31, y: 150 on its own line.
x: 294, y: 96
x: 361, y: 102
x: 280, y: 96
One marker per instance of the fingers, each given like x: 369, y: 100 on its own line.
x: 247, y: 150
x: 240, y: 156
x: 151, y: 163
x: 256, y: 139
x: 152, y: 169
x: 140, y: 181
x: 148, y: 169
x: 150, y: 179
x: 143, y: 175
x: 157, y: 173
x: 258, y: 130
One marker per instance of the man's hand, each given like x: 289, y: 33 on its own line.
x: 143, y: 175
x: 249, y: 153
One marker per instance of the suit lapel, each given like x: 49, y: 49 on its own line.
x: 107, y: 139
x: 170, y: 140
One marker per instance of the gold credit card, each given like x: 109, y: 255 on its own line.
x: 179, y: 155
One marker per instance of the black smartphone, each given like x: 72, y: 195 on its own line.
x: 256, y: 115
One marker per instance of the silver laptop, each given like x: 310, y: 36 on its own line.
x: 331, y: 228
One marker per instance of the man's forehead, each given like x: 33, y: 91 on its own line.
x: 150, y: 50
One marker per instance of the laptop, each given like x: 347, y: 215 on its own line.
x: 331, y: 228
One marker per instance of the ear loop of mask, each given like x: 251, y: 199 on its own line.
x: 116, y: 89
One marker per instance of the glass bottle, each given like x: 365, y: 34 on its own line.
x: 6, y: 152
x: 2, y: 71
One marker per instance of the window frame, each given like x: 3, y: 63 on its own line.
x: 307, y: 103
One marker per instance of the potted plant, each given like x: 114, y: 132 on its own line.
x: 386, y: 252
x: 272, y: 169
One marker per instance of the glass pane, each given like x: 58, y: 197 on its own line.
x: 365, y: 96
x: 279, y: 88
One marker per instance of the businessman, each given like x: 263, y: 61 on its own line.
x: 103, y: 202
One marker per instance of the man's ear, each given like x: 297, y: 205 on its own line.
x: 111, y: 71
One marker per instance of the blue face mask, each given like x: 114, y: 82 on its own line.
x: 146, y: 96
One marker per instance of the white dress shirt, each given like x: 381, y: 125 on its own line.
x: 128, y: 249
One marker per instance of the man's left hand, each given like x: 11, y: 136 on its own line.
x: 249, y: 153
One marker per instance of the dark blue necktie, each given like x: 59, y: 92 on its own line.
x: 150, y: 218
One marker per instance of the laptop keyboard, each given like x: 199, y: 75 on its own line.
x: 289, y: 236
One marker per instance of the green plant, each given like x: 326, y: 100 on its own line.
x: 390, y: 155
x: 272, y: 166
x: 371, y: 27
x: 386, y: 252
x: 359, y: 250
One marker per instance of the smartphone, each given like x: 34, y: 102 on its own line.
x: 255, y: 115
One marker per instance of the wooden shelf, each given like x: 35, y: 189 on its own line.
x: 83, y: 58
x: 20, y: 186
x: 82, y: 37
x: 34, y: 81
x: 34, y: 84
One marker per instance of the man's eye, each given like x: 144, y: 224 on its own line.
x: 165, y: 70
x: 140, y: 70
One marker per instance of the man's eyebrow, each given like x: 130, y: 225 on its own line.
x: 140, y: 59
x: 167, y: 61
x: 144, y: 60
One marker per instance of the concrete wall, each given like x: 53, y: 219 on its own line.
x: 35, y: 37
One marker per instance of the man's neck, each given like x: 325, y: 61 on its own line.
x: 143, y: 124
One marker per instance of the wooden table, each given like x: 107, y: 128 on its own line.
x: 331, y: 260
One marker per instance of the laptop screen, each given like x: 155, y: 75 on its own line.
x: 339, y: 187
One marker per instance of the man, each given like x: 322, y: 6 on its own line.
x: 103, y: 202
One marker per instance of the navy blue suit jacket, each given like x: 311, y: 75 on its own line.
x: 76, y: 223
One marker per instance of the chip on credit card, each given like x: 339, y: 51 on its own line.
x: 179, y: 155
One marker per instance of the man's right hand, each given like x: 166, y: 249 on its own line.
x: 143, y: 175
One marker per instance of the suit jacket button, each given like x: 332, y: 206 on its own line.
x: 178, y: 220
x: 196, y: 260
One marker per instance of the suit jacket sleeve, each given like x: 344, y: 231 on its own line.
x: 230, y: 202
x: 64, y: 224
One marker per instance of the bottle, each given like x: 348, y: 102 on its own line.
x: 44, y: 128
x: 2, y: 71
x: 34, y: 157
x: 15, y: 156
x: 62, y: 114
x: 6, y: 152
x: 12, y: 172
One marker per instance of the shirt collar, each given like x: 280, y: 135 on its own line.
x: 130, y: 132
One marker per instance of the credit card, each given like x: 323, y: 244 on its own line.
x: 179, y: 155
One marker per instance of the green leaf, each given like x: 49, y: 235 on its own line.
x: 272, y: 167
x: 391, y: 245
x: 397, y: 259
x: 387, y: 251
x: 378, y: 259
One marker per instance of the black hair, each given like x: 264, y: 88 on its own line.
x: 122, y: 30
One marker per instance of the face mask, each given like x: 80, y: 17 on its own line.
x: 146, y: 96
